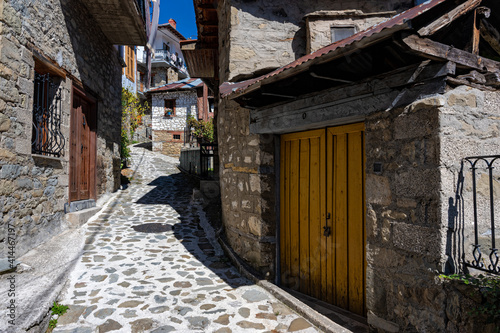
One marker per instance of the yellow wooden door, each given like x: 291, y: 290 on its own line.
x: 322, y: 235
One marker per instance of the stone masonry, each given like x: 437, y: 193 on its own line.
x: 33, y: 189
x: 247, y: 174
x: 164, y: 127
x: 413, y: 219
x: 244, y: 25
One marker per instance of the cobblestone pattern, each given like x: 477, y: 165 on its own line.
x: 33, y: 190
x: 149, y: 265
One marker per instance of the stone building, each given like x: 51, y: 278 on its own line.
x: 60, y: 111
x: 344, y: 172
x: 167, y: 63
x: 172, y: 105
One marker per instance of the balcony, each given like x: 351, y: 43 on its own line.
x: 122, y: 21
x: 165, y: 58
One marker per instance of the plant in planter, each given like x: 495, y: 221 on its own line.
x: 168, y: 112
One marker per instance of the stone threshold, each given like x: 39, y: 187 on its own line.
x: 324, y: 316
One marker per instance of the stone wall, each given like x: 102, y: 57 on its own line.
x: 34, y: 189
x: 264, y: 35
x: 185, y: 106
x: 163, y: 75
x: 403, y: 224
x: 256, y: 36
x: 470, y: 126
x: 164, y: 143
x: 247, y: 188
x: 319, y: 25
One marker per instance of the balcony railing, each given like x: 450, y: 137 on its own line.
x: 169, y: 58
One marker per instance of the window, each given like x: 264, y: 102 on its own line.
x: 130, y: 62
x: 166, y: 47
x: 177, y: 136
x: 169, y: 110
x: 46, y: 138
x: 342, y: 32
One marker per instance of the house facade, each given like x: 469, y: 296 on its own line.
x: 172, y: 105
x: 60, y: 110
x: 167, y: 62
x: 345, y: 173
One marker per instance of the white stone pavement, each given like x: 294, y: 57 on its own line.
x: 149, y: 266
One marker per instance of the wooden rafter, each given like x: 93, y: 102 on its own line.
x: 438, y: 51
x: 490, y: 34
x: 448, y: 17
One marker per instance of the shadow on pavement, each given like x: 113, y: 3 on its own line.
x: 175, y: 190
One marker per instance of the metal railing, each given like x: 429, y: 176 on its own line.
x: 47, y: 138
x: 485, y: 162
x: 207, y: 160
x: 171, y: 59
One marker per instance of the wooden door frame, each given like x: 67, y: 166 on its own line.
x: 277, y: 167
x: 77, y: 88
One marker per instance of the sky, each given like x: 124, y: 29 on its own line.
x: 182, y: 11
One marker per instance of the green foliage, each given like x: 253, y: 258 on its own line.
x: 132, y: 114
x: 489, y: 288
x: 57, y: 310
x: 201, y: 129
x: 53, y: 323
x: 124, y: 149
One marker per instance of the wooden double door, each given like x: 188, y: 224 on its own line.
x: 82, y: 185
x: 322, y: 215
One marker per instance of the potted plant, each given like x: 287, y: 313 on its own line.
x: 168, y: 112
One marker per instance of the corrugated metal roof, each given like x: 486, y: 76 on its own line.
x: 189, y: 83
x: 400, y: 20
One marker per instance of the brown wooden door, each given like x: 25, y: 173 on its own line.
x: 82, y: 147
x: 322, y: 237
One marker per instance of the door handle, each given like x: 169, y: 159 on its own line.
x: 327, y: 230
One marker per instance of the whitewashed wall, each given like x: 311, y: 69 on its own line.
x: 185, y: 105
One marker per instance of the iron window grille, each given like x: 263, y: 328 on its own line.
x: 47, y: 138
x: 479, y: 261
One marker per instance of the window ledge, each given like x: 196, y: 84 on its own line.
x: 56, y: 162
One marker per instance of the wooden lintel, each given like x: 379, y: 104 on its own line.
x: 438, y: 51
x: 45, y: 64
x: 376, y: 85
x: 490, y: 34
x: 448, y: 17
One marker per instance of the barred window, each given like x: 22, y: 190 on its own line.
x: 47, y: 138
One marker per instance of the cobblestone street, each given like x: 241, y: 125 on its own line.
x: 150, y: 265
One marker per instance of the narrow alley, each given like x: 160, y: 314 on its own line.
x: 150, y: 265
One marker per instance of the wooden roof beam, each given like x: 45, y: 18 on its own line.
x: 448, y: 17
x: 433, y: 50
x: 490, y: 34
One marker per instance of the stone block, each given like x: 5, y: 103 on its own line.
x: 10, y: 171
x: 5, y: 123
x: 79, y: 218
x: 378, y: 190
x: 382, y: 324
x: 417, y: 239
x: 457, y: 99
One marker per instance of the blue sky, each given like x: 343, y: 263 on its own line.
x: 182, y: 12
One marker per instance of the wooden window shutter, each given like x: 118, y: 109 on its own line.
x: 130, y: 62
